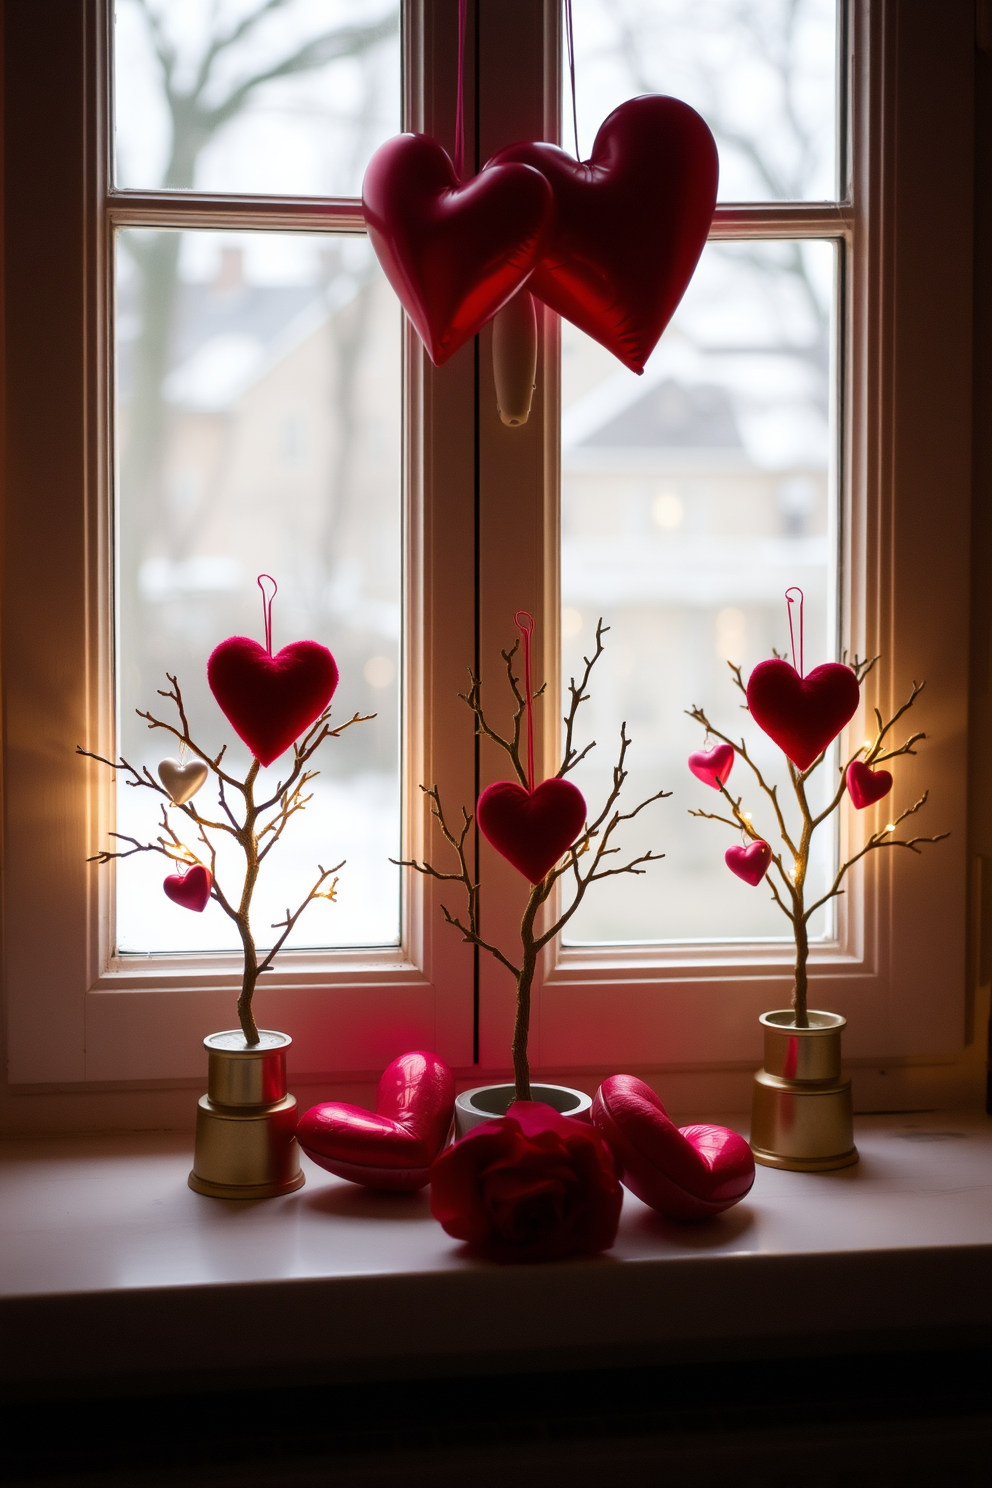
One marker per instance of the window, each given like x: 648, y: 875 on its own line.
x: 874, y: 502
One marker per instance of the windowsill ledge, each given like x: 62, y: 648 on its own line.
x: 113, y: 1272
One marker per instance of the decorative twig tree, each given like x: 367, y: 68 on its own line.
x: 788, y: 891
x: 260, y: 827
x: 592, y: 844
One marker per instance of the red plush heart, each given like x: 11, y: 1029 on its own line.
x: 453, y: 253
x: 190, y: 889
x: 630, y: 222
x: 713, y: 766
x: 531, y: 828
x: 749, y: 863
x: 687, y: 1173
x: 271, y: 700
x: 394, y: 1146
x: 802, y: 714
x: 865, y: 786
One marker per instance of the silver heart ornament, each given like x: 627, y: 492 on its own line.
x: 182, y: 781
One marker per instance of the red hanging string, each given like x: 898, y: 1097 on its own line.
x: 267, y: 607
x: 790, y: 602
x: 570, y: 40
x: 527, y: 630
x: 460, y: 94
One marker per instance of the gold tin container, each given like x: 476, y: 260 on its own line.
x: 801, y: 1116
x: 246, y: 1144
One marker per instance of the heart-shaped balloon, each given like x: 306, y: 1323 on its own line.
x: 271, y: 700
x: 713, y: 766
x: 182, y: 781
x: 630, y: 222
x: 690, y: 1172
x: 802, y: 714
x: 191, y: 889
x: 393, y: 1146
x: 454, y: 253
x: 531, y: 828
x: 866, y: 786
x: 749, y: 863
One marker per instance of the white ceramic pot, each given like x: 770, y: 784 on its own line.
x: 488, y: 1101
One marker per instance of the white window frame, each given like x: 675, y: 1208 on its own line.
x: 76, y: 1018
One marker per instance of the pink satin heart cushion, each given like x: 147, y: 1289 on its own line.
x: 802, y: 714
x: 749, y: 863
x: 270, y: 701
x: 691, y: 1172
x: 866, y: 786
x: 190, y: 890
x: 713, y: 766
x: 393, y: 1146
x: 531, y: 828
x: 454, y: 253
x: 630, y: 222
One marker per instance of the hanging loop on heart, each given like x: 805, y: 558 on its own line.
x: 267, y: 607
x: 794, y: 589
x: 525, y: 625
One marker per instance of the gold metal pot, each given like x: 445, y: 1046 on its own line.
x: 246, y: 1123
x: 801, y: 1114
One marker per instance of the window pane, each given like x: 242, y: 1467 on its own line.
x: 249, y: 97
x: 692, y: 497
x: 761, y: 72
x: 259, y: 431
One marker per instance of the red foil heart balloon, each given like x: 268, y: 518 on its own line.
x: 454, y: 253
x: 531, y: 828
x: 687, y: 1173
x: 393, y: 1146
x: 191, y: 890
x: 749, y: 863
x: 270, y: 701
x: 802, y: 714
x: 713, y: 766
x: 630, y: 222
x: 866, y: 786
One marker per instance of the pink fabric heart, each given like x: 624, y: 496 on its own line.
x: 531, y: 828
x: 393, y: 1146
x: 749, y: 863
x: 866, y: 786
x: 191, y: 890
x: 802, y: 714
x: 713, y: 766
x: 687, y: 1173
x: 270, y: 701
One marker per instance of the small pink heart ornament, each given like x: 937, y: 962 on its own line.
x: 182, y: 781
x: 190, y: 890
x: 749, y: 863
x: 713, y: 766
x: 866, y: 786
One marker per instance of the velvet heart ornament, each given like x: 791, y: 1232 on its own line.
x: 802, y: 714
x: 749, y: 863
x: 393, y: 1146
x: 454, y: 253
x: 630, y: 222
x: 866, y: 786
x: 191, y: 890
x: 268, y: 700
x: 713, y: 766
x: 531, y: 828
x: 690, y: 1172
x: 182, y: 781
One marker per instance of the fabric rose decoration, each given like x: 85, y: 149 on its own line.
x: 530, y: 1186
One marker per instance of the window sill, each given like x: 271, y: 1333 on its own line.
x: 114, y: 1274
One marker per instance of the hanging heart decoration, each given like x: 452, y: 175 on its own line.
x: 190, y: 890
x: 802, y: 714
x: 269, y: 700
x: 393, y: 1146
x: 749, y: 863
x: 866, y: 786
x: 531, y: 826
x: 713, y: 766
x: 629, y: 223
x: 182, y: 781
x: 685, y: 1173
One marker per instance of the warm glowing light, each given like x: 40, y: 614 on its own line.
x: 747, y: 816
x: 890, y: 826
